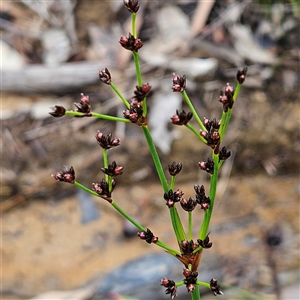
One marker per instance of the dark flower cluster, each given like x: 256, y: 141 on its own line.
x: 68, y: 175
x: 58, y: 111
x: 181, y: 118
x: 148, y: 236
x: 179, y: 83
x: 175, y: 168
x: 212, y: 135
x: 132, y: 6
x: 207, y: 166
x: 188, y: 257
x: 241, y: 75
x: 102, y: 189
x: 187, y: 247
x: 226, y: 97
x: 131, y: 43
x: 172, y: 197
x: 135, y: 112
x: 141, y: 92
x: 201, y: 199
x: 206, y: 244
x: 113, y: 170
x: 106, y: 141
x: 190, y: 279
x: 84, y: 106
x: 171, y: 287
x: 224, y: 154
x: 215, y: 288
x: 188, y: 204
x: 105, y: 76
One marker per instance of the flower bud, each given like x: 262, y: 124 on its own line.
x: 131, y: 5
x: 241, y: 75
x: 58, y: 111
x: 105, y: 76
x: 179, y: 83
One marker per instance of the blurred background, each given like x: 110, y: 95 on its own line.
x: 60, y: 243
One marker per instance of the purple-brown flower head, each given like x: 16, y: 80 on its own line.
x: 102, y: 189
x: 226, y: 97
x: 172, y: 197
x: 241, y: 75
x: 135, y: 114
x: 175, y: 168
x: 190, y: 281
x: 148, y: 236
x: 170, y: 285
x: 201, y: 199
x: 113, y: 170
x: 84, y: 105
x: 181, y: 118
x: 187, y: 247
x: 214, y: 287
x: 212, y: 135
x: 131, y: 43
x: 179, y: 83
x: 68, y: 175
x: 224, y: 154
x: 206, y: 244
x: 188, y: 257
x: 207, y: 166
x: 131, y: 5
x: 105, y: 76
x: 58, y: 111
x: 142, y: 92
x: 188, y: 204
x: 106, y: 141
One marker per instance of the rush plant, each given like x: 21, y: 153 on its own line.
x: 210, y: 132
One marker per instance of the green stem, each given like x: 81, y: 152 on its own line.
x: 86, y: 189
x: 125, y: 215
x: 190, y: 225
x: 168, y: 249
x: 96, y: 115
x: 172, y: 184
x: 212, y: 194
x: 156, y: 159
x: 139, y: 78
x: 176, y: 222
x: 227, y: 115
x: 133, y: 24
x: 177, y: 225
x: 195, y: 114
x: 200, y: 137
x: 105, y: 162
x: 140, y: 227
x: 203, y: 284
x: 137, y: 68
x: 120, y: 95
x: 110, y: 118
x: 196, y: 293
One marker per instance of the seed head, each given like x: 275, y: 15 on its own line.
x: 181, y: 118
x: 58, y: 111
x: 179, y: 83
x: 105, y: 76
x: 148, y: 236
x: 131, y: 5
x: 215, y: 288
x: 175, y: 168
x: 241, y: 75
x: 131, y: 43
x: 68, y: 175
